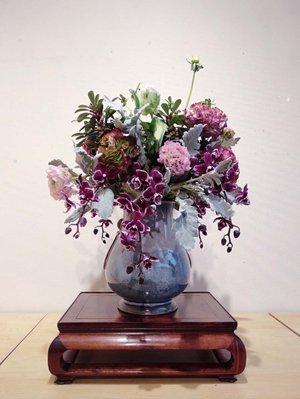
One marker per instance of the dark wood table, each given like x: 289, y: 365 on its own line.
x: 97, y: 340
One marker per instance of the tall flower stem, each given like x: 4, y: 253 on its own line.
x: 191, y: 89
x: 195, y: 66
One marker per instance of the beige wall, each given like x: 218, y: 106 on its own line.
x: 53, y: 52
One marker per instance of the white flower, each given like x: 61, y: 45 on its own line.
x: 150, y: 96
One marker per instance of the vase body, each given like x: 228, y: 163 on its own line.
x: 167, y: 277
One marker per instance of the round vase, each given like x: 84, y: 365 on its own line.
x: 166, y: 278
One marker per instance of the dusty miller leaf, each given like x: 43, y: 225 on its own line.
x: 230, y: 142
x: 114, y: 106
x: 223, y: 166
x: 220, y: 206
x: 58, y: 162
x: 191, y: 139
x: 167, y: 176
x: 186, y: 224
x: 104, y: 205
x: 210, y: 179
x: 84, y: 161
x: 77, y: 214
x: 135, y: 131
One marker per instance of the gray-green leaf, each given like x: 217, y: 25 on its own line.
x: 58, y: 162
x: 230, y: 142
x: 191, y: 139
x: 83, y: 160
x: 114, y: 106
x: 77, y: 214
x: 220, y: 206
x: 104, y: 205
x: 186, y: 225
x: 223, y: 165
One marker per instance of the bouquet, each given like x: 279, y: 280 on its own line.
x: 135, y: 152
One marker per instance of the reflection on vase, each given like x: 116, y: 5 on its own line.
x: 167, y: 277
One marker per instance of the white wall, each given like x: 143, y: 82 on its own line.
x: 53, y: 52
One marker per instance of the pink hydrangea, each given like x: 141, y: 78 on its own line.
x: 59, y: 181
x: 176, y: 157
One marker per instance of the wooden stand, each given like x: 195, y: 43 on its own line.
x: 97, y: 340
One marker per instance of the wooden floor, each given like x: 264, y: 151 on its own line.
x: 273, y: 364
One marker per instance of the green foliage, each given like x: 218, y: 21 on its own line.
x: 209, y: 102
x: 123, y: 100
x: 170, y: 112
x: 94, y: 118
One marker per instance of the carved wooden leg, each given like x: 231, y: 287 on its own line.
x: 227, y: 378
x: 64, y: 380
x: 58, y: 366
x: 238, y: 353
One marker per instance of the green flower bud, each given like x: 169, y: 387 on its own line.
x: 228, y: 133
x: 195, y: 64
x: 148, y: 96
x: 195, y: 60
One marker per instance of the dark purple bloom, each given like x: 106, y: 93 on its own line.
x: 99, y: 176
x: 83, y: 221
x: 199, y: 169
x: 142, y: 175
x: 157, y: 199
x: 86, y: 192
x: 147, y: 260
x: 135, y: 183
x: 69, y: 204
x: 156, y: 175
x: 242, y: 196
x: 125, y: 202
x: 128, y: 239
x: 221, y: 224
x: 135, y: 225
x: 148, y: 193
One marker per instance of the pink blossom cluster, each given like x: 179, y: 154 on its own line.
x: 213, y: 119
x: 175, y: 157
x: 60, y: 182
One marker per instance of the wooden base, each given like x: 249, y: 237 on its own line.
x: 97, y: 340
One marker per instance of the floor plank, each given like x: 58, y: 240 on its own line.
x: 13, y: 328
x: 291, y: 320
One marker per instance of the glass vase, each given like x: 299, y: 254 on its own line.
x: 166, y: 278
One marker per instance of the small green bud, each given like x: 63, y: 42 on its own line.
x: 228, y: 133
x: 195, y: 64
x: 195, y: 60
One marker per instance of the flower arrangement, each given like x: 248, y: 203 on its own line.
x: 135, y: 157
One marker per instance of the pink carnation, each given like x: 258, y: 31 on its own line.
x: 175, y: 157
x: 59, y: 181
x: 213, y: 119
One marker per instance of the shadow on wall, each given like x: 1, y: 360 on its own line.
x: 91, y: 271
x: 202, y: 266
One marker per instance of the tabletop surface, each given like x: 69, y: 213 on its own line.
x: 272, y: 370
